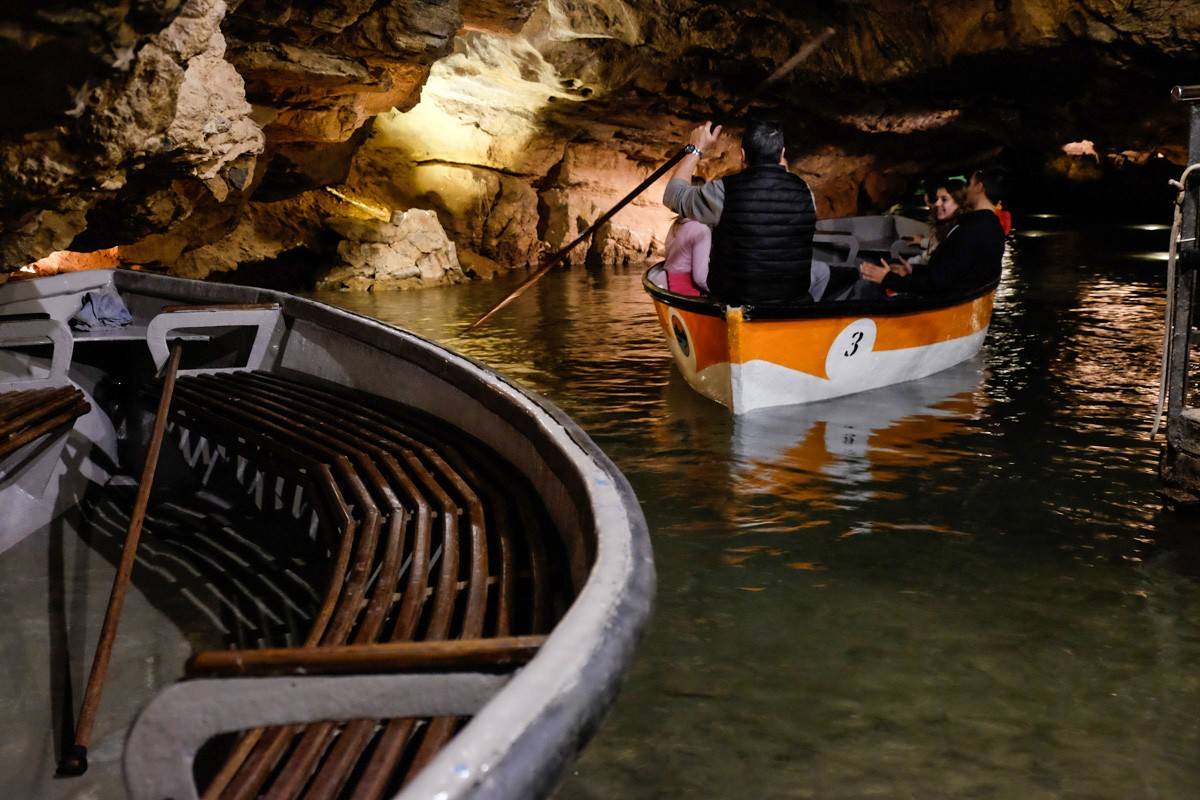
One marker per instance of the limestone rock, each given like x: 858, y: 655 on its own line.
x: 410, y: 251
x: 616, y: 245
x: 196, y: 130
x: 498, y: 16
x: 319, y: 71
x: 476, y: 266
x: 261, y: 232
x: 157, y: 106
x: 493, y: 214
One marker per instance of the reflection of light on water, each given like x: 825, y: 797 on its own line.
x: 1156, y: 256
x: 1150, y: 227
x: 1106, y: 307
x: 1045, y: 216
x: 1036, y: 234
x: 885, y: 527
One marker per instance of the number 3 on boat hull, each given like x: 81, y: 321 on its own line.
x: 749, y: 358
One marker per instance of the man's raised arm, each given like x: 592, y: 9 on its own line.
x: 701, y: 203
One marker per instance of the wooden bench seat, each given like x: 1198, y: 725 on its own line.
x: 26, y: 416
x: 435, y: 543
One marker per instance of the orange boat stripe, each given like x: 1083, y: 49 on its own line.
x: 803, y: 345
x: 931, y: 327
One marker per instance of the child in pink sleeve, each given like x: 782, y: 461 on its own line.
x: 688, y: 246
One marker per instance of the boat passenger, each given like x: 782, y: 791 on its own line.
x: 763, y: 219
x: 948, y: 200
x: 688, y: 246
x: 970, y: 256
x: 1005, y: 216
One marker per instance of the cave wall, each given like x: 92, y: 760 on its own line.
x: 199, y: 135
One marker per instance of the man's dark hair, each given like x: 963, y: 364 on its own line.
x: 993, y: 180
x: 763, y: 142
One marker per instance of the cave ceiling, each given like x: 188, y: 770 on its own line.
x: 199, y: 134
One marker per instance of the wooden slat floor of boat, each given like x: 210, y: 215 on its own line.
x: 437, y: 539
x: 26, y: 416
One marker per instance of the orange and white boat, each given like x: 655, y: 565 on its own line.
x: 748, y: 357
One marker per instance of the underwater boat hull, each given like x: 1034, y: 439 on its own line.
x: 747, y: 359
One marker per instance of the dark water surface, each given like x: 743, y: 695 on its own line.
x: 963, y: 587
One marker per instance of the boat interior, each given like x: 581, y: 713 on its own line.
x: 349, y: 549
x: 842, y: 243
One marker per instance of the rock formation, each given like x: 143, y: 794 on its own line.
x: 122, y: 116
x: 200, y: 135
x: 409, y: 251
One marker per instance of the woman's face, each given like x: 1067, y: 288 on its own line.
x: 944, y: 206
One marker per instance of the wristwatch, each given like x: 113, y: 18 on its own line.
x: 691, y: 148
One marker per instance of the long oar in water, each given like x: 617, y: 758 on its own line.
x: 557, y: 258
x: 74, y: 760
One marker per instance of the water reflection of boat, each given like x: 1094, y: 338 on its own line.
x: 749, y: 358
x: 821, y: 454
x: 865, y: 426
x: 801, y: 452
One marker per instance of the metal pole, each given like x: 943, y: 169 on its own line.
x: 1185, y: 291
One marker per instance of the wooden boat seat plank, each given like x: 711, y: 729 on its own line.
x: 26, y: 416
x: 455, y: 654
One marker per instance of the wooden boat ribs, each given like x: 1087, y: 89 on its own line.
x: 430, y: 532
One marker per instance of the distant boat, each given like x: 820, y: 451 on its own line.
x: 748, y: 358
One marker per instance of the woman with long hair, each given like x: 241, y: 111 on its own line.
x: 948, y: 200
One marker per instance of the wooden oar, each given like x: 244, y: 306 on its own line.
x: 557, y: 258
x: 74, y: 760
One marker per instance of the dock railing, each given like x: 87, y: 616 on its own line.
x: 1180, y: 466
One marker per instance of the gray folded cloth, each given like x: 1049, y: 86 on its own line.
x: 101, y: 309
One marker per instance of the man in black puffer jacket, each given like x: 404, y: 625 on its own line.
x: 763, y: 220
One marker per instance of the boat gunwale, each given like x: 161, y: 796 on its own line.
x: 897, y: 307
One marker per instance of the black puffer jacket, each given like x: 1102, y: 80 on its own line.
x: 762, y: 247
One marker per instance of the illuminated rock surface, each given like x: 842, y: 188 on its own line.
x: 200, y: 135
x: 408, y: 252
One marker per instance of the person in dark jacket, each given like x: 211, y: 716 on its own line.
x: 971, y: 255
x: 763, y: 219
